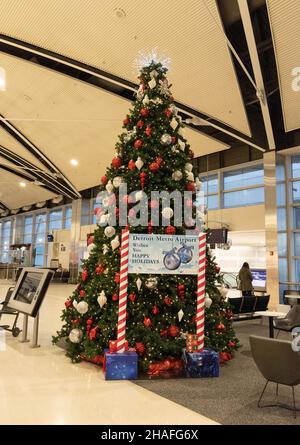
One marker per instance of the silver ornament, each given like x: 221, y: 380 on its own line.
x: 109, y: 231
x: 102, y: 299
x: 167, y: 212
x: 177, y: 175
x: 115, y: 242
x: 139, y: 163
x: 207, y: 301
x: 117, y: 181
x: 151, y: 283
x: 166, y: 139
x: 109, y: 186
x: 82, y: 307
x: 188, y: 167
x: 75, y: 336
x: 138, y: 283
x: 180, y: 314
x: 91, y: 247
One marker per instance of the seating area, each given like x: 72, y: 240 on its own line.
x: 245, y: 307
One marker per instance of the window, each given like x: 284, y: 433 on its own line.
x: 55, y: 220
x: 244, y: 197
x: 296, y: 212
x: 281, y: 218
x: 210, y: 188
x: 244, y: 178
x: 5, y: 241
x: 280, y: 194
x: 28, y: 226
x: 68, y: 218
x: 296, y: 166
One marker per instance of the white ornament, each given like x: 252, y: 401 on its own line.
x: 167, y: 212
x: 75, y: 336
x: 138, y: 283
x: 105, y: 249
x: 75, y: 304
x: 139, y: 163
x: 190, y: 176
x: 91, y: 247
x: 115, y: 242
x: 198, y: 184
x: 152, y: 83
x: 181, y: 144
x: 153, y: 73
x: 82, y: 307
x: 180, y: 314
x: 109, y: 231
x: 188, y: 167
x: 174, y: 124
x: 146, y: 100
x: 177, y: 175
x: 174, y: 150
x: 224, y: 291
x: 117, y: 181
x: 102, y: 299
x: 207, y: 301
x: 174, y: 109
x: 109, y: 186
x: 103, y: 219
x: 166, y: 139
x: 139, y: 195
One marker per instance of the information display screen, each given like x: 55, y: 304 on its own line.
x: 259, y: 278
x: 28, y: 287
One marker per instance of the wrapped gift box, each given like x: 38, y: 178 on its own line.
x: 201, y: 364
x: 121, y: 366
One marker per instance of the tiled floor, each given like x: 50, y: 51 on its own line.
x: 41, y: 386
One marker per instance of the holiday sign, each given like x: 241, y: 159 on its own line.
x: 163, y: 254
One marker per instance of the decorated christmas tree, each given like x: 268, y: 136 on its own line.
x: 152, y: 154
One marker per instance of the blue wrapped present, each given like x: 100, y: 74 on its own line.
x: 201, y: 364
x: 121, y: 366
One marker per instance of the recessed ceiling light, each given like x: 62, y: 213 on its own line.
x: 120, y: 13
x: 2, y: 79
x: 74, y: 162
x: 22, y: 184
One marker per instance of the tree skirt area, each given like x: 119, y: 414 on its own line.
x: 232, y: 398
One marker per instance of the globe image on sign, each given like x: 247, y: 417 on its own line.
x: 185, y: 253
x: 172, y: 260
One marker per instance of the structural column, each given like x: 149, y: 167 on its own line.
x: 75, y: 239
x: 271, y: 228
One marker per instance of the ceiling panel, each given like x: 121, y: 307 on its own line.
x: 285, y: 26
x: 14, y: 196
x: 68, y: 119
x: 108, y: 34
x: 9, y: 142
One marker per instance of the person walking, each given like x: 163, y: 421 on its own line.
x: 245, y: 277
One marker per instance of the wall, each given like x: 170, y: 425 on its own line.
x: 246, y: 218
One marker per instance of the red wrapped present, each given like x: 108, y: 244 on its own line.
x: 97, y: 360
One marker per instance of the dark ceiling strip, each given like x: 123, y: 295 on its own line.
x: 108, y: 82
x: 50, y: 184
x: 36, y: 152
x: 3, y: 206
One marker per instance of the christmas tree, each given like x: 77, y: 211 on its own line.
x: 151, y: 154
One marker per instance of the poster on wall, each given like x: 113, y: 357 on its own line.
x: 163, y: 254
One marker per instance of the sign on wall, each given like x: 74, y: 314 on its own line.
x: 163, y: 254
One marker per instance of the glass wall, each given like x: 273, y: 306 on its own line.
x: 234, y: 187
x: 5, y: 238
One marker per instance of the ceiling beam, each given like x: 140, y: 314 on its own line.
x: 261, y: 94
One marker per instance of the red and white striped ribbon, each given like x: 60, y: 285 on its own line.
x: 200, y: 316
x: 123, y: 291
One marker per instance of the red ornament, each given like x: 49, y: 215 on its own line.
x: 168, y: 301
x: 168, y: 112
x: 224, y: 357
x: 116, y: 162
x: 191, y: 153
x: 148, y: 130
x: 174, y: 331
x: 181, y: 288
x: 144, y: 112
x: 84, y: 275
x: 104, y: 180
x: 228, y: 314
x: 163, y: 332
x: 131, y: 164
x: 217, y: 269
x: 190, y: 186
x: 143, y: 177
x: 117, y: 277
x: 159, y: 160
x: 173, y: 139
x: 115, y: 297
x: 147, y: 322
x: 93, y: 334
x: 155, y: 310
x: 82, y: 293
x: 138, y: 143
x: 99, y: 269
x: 220, y: 327
x: 126, y: 121
x: 89, y: 322
x: 76, y: 321
x: 153, y: 167
x: 140, y: 348
x: 154, y: 204
x: 132, y: 297
x: 170, y: 230
x: 68, y: 303
x: 231, y: 344
x: 140, y: 124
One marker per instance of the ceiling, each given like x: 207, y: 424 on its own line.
x: 285, y: 26
x: 70, y: 77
